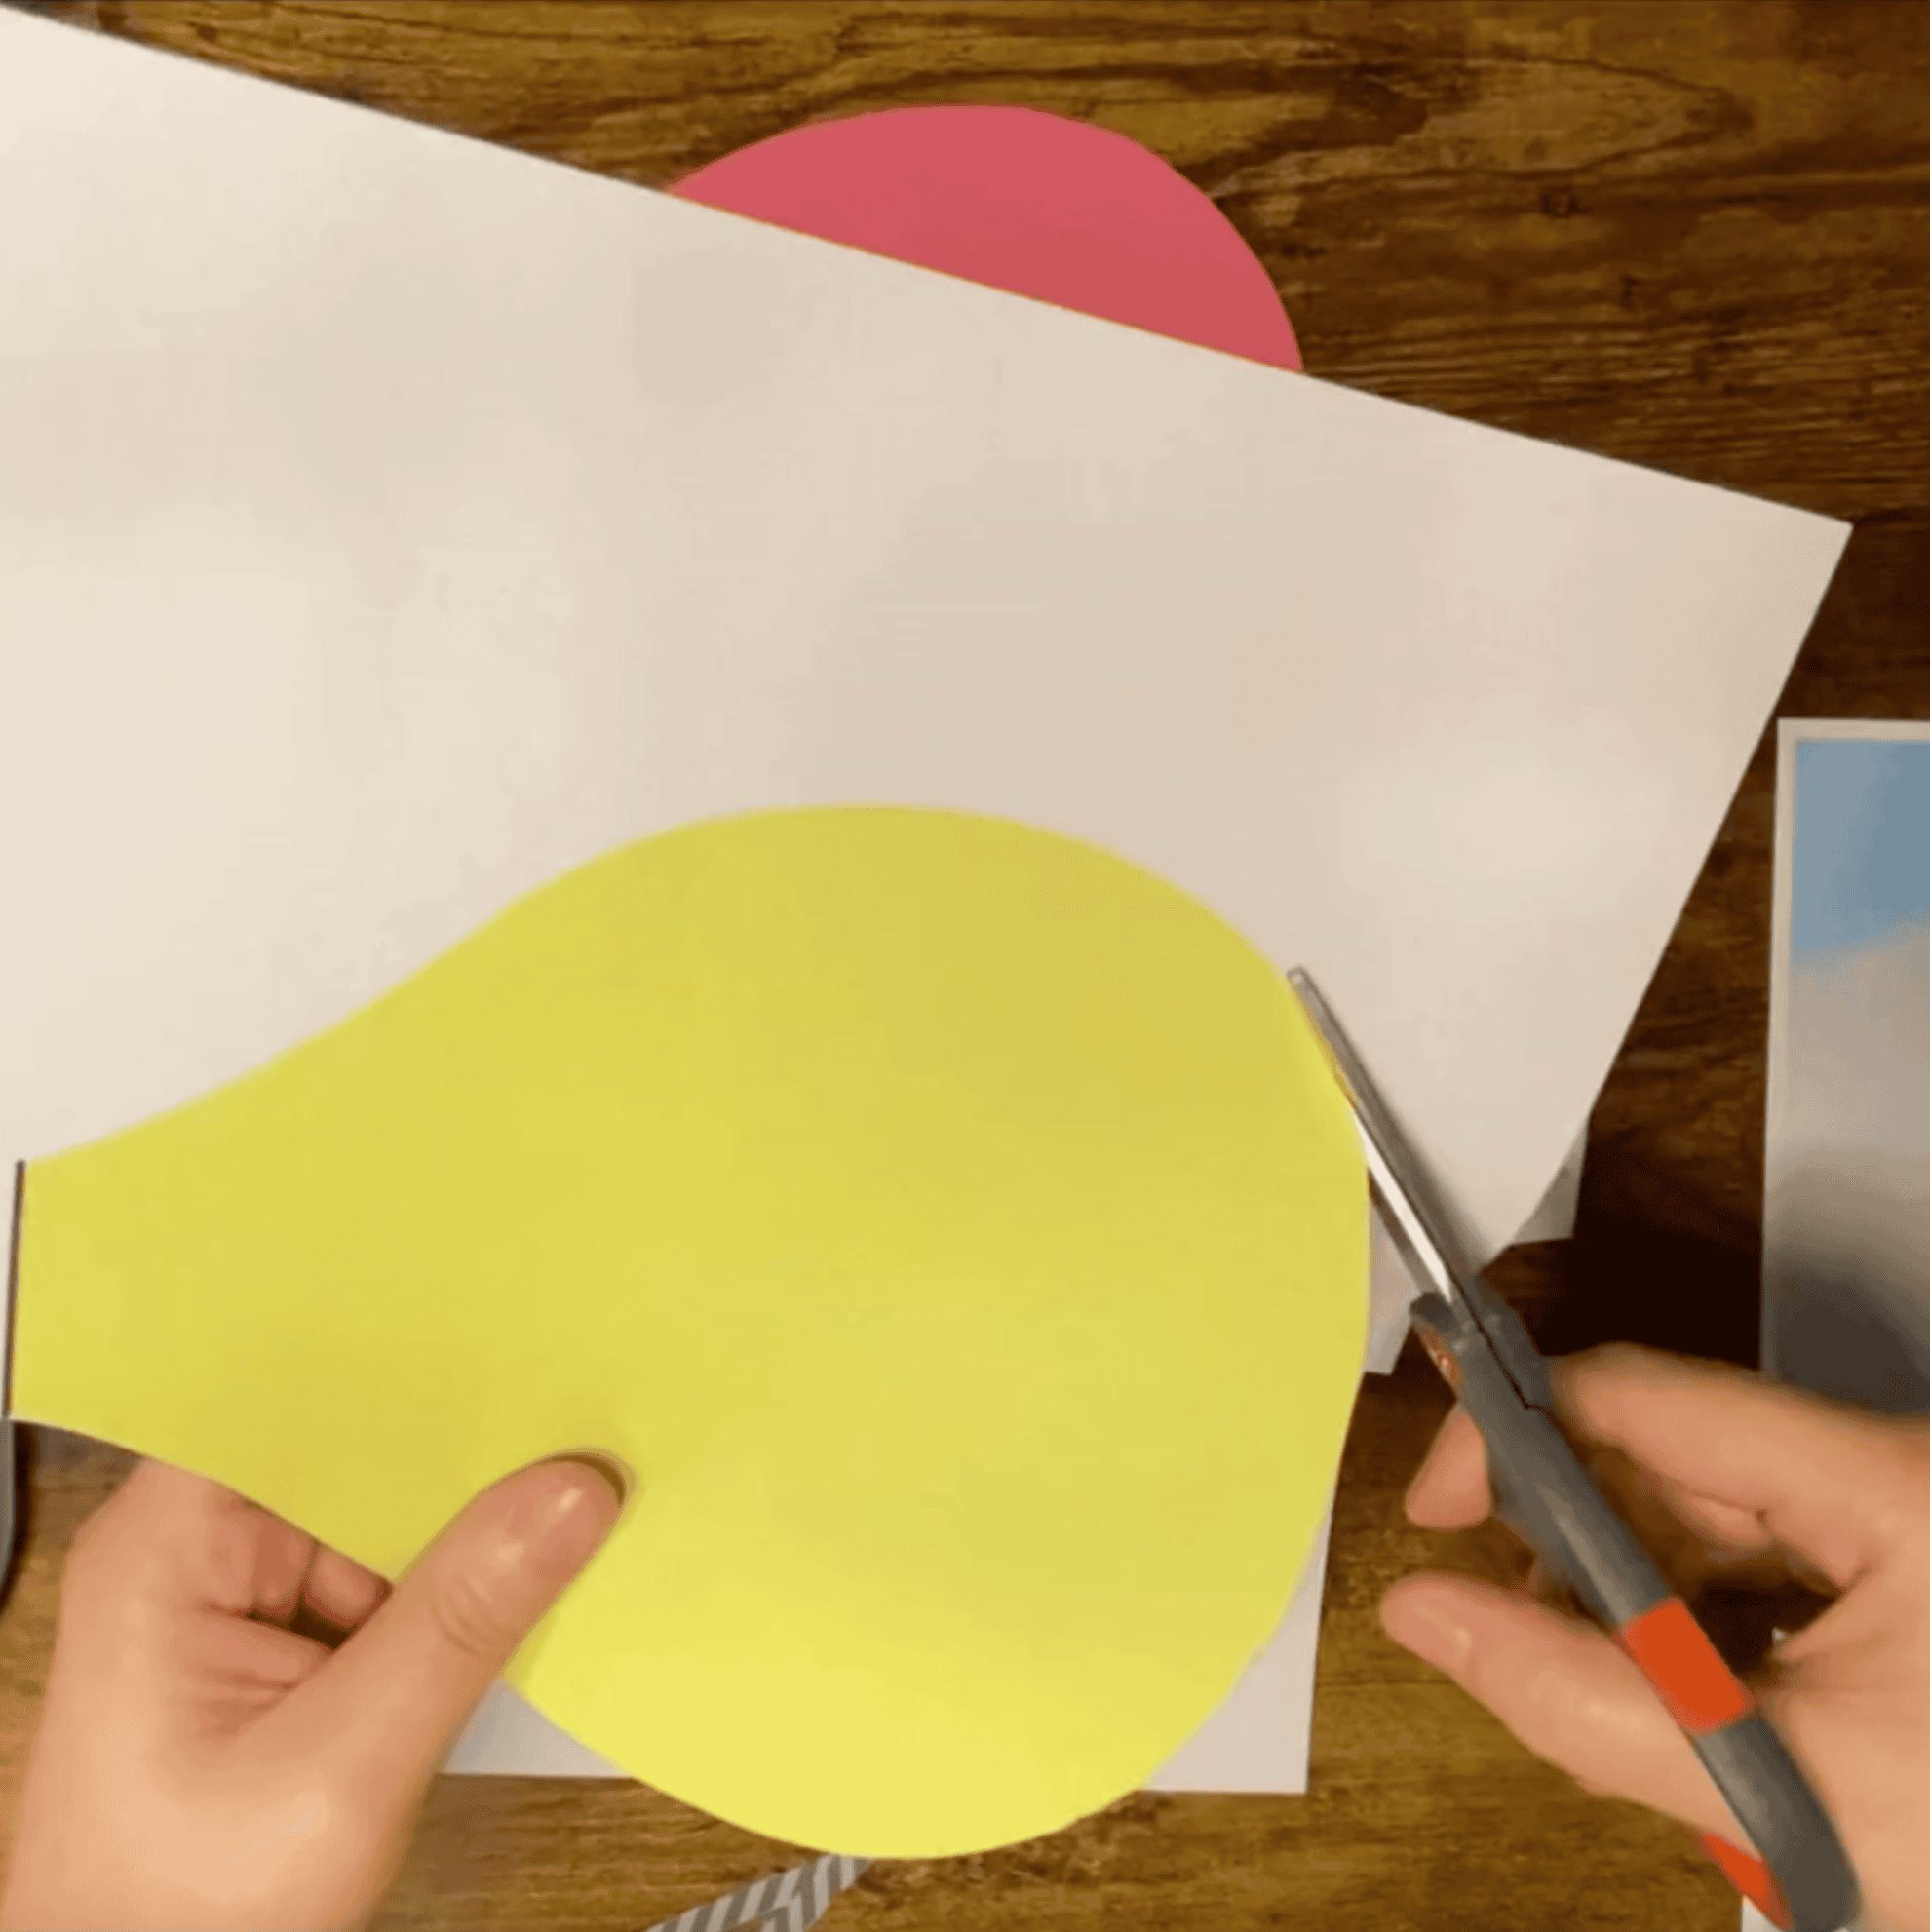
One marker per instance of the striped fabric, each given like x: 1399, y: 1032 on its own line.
x: 787, y: 1902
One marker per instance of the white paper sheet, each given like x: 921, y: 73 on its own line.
x: 1555, y: 1219
x: 394, y: 520
x: 388, y: 522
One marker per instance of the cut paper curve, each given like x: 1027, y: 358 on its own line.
x: 957, y: 1226
x: 1033, y: 203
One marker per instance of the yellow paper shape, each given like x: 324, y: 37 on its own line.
x: 957, y: 1228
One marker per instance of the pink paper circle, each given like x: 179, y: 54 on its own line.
x: 1021, y: 200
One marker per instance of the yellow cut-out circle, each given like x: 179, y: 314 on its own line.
x: 956, y: 1227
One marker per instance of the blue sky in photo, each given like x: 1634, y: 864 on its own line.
x: 1860, y: 862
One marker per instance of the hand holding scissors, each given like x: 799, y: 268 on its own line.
x: 1642, y: 1705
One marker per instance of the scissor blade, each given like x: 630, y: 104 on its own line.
x: 1413, y: 1217
x: 1404, y: 1224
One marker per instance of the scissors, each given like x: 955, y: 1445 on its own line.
x: 1543, y: 1493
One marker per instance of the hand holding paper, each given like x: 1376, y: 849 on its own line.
x: 207, y: 1757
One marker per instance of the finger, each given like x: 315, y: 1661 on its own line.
x: 1726, y: 1529
x: 1568, y: 1693
x: 1838, y: 1485
x: 281, y: 1559
x: 402, y: 1685
x: 1766, y: 1464
x: 214, y: 1648
x: 341, y: 1591
x: 1451, y: 1491
x: 239, y: 1668
x: 167, y: 1537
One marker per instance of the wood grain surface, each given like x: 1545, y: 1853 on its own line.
x: 1690, y: 232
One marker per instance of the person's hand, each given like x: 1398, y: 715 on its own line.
x: 202, y: 1762
x: 1757, y: 1475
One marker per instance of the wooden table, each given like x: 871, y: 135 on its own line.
x: 1692, y: 235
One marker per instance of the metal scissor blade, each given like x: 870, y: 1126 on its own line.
x: 1415, y: 1218
x: 1456, y: 1303
x: 1420, y: 1225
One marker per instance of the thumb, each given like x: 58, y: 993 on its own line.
x: 1753, y: 1459
x: 396, y: 1693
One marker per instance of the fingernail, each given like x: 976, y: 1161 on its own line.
x: 617, y: 1473
x: 1434, y: 1636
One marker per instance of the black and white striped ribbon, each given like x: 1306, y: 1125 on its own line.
x: 785, y: 1902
